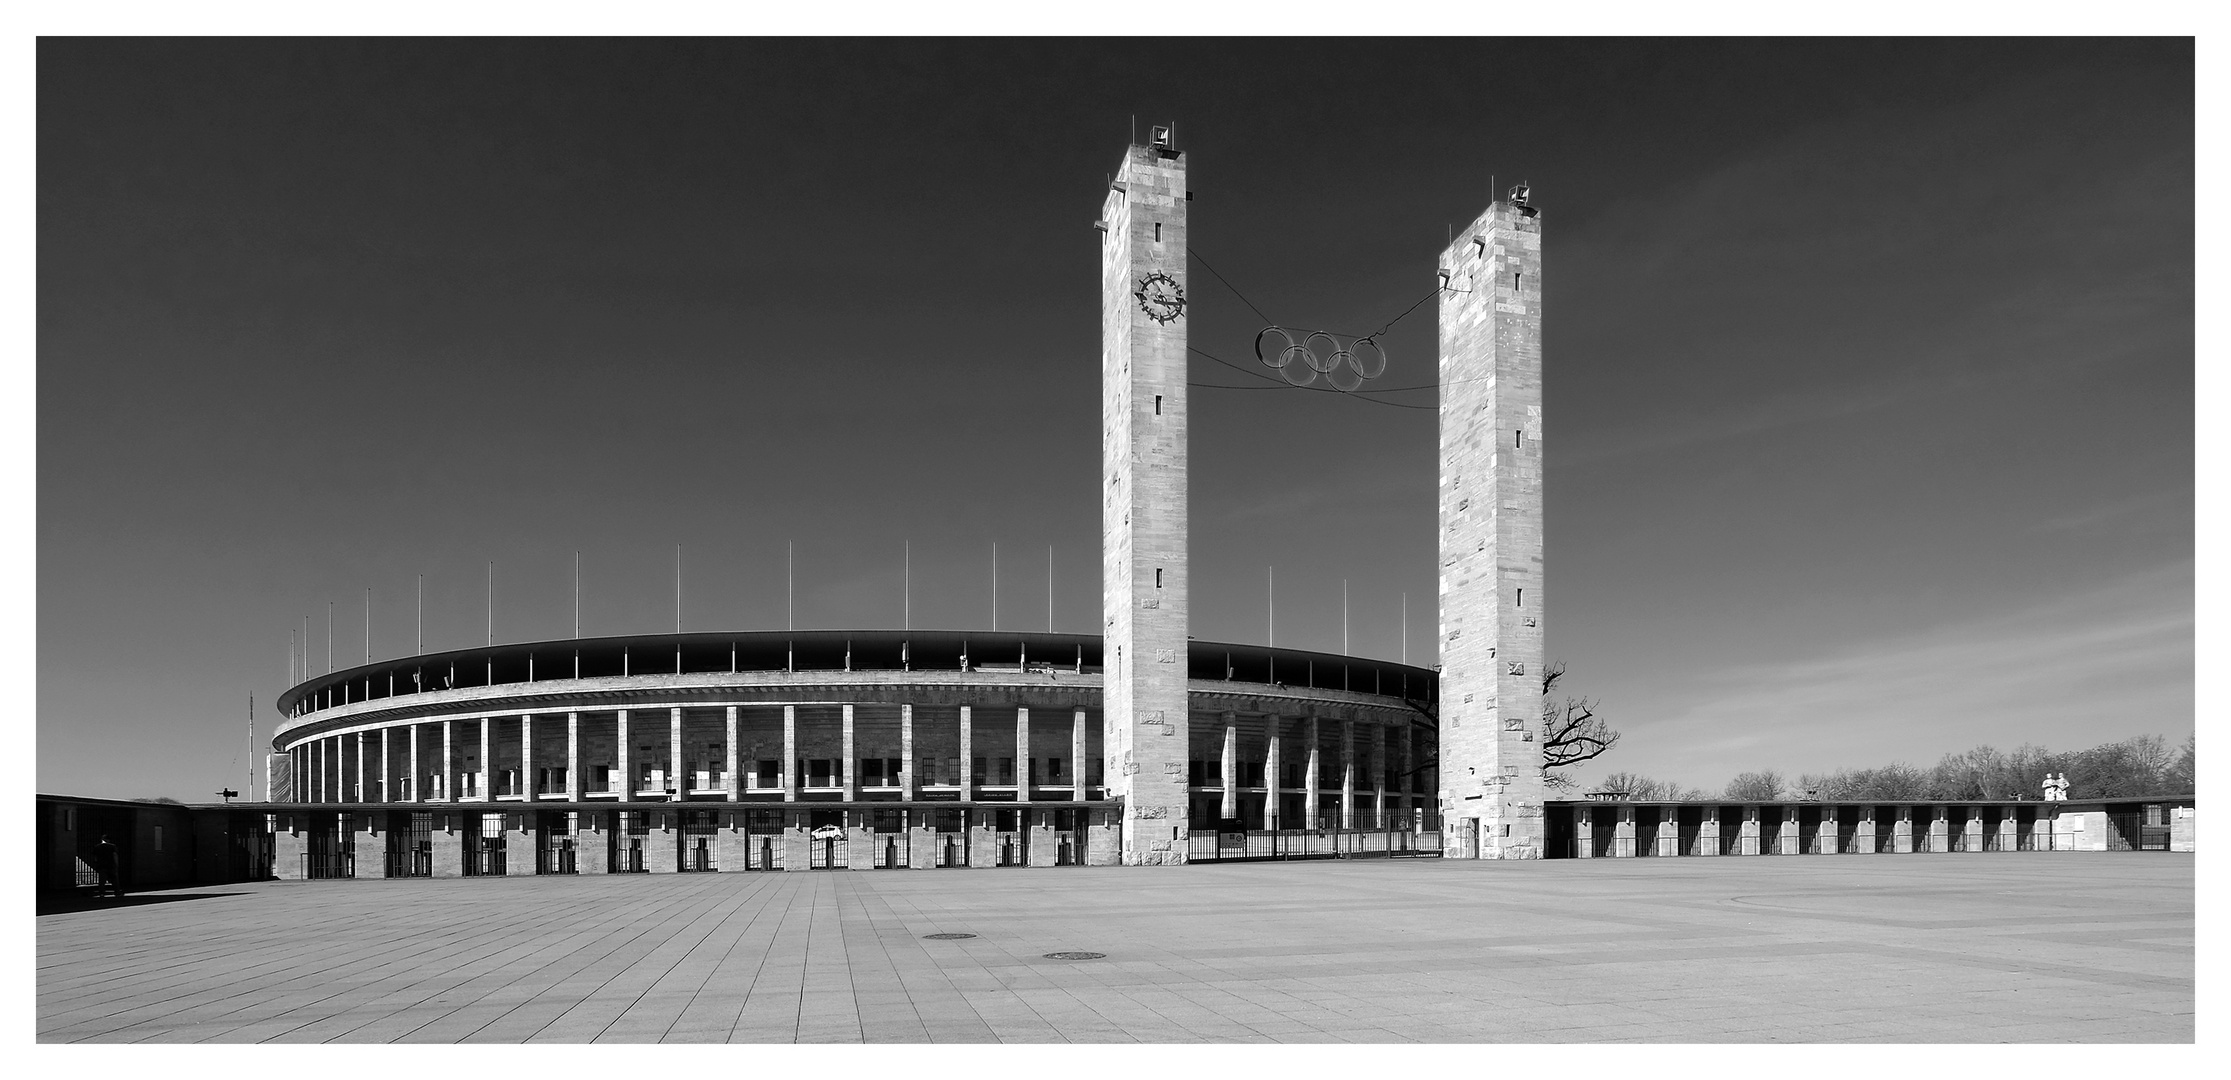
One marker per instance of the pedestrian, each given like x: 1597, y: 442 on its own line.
x: 106, y: 864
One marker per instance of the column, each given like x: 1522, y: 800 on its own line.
x: 1378, y: 775
x: 789, y: 755
x: 317, y: 770
x: 418, y: 777
x: 1347, y: 774
x: 1270, y: 775
x: 387, y: 773
x: 732, y: 784
x: 851, y: 762
x: 968, y: 772
x: 1077, y: 754
x: 1308, y: 780
x: 449, y: 777
x: 1229, y: 770
x: 674, y: 755
x: 573, y: 762
x: 906, y: 752
x: 363, y: 793
x: 527, y: 784
x: 487, y: 760
x: 1409, y: 780
x: 621, y: 763
x: 1022, y: 756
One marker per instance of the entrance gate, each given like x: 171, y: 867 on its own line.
x: 952, y: 838
x: 332, y: 849
x: 1012, y: 837
x: 892, y: 840
x: 698, y: 830
x: 825, y: 853
x: 484, y: 845
x: 1808, y: 830
x: 1688, y: 826
x: 410, y: 843
x: 1646, y: 831
x: 625, y: 842
x: 554, y: 852
x: 763, y: 840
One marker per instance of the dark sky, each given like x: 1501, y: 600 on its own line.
x: 1869, y: 364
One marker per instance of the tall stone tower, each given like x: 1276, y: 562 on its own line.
x: 1492, y: 603
x: 1143, y: 491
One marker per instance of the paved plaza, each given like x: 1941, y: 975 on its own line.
x: 2001, y: 947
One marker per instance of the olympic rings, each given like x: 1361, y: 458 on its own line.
x: 1344, y: 367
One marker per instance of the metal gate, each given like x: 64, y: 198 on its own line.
x: 763, y: 840
x: 331, y: 852
x: 625, y: 843
x: 1070, y: 844
x: 1847, y: 829
x: 554, y: 851
x: 952, y: 838
x: 1011, y: 829
x: 410, y: 843
x: 698, y: 829
x: 484, y: 839
x: 892, y: 840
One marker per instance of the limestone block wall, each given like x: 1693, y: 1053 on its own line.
x: 1144, y: 503
x: 288, y: 846
x: 449, y: 845
x: 2183, y: 828
x: 367, y: 849
x: 519, y: 845
x: 592, y: 853
x: 921, y: 851
x: 1490, y: 535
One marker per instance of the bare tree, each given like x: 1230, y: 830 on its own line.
x: 1571, y: 730
x: 1763, y: 785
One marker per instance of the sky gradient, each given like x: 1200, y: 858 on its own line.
x: 1868, y: 365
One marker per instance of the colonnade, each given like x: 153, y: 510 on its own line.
x: 457, y: 759
x: 1249, y: 783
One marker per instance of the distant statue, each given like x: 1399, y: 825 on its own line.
x: 2056, y: 788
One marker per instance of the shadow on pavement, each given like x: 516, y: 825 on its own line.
x: 57, y: 905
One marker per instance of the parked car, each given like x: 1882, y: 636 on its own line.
x: 828, y: 832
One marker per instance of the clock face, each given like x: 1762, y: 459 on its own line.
x: 1160, y: 297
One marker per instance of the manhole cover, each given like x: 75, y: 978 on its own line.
x: 945, y: 937
x: 1076, y: 956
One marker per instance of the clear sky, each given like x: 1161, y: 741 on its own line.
x: 1869, y: 364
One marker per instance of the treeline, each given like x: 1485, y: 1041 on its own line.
x: 2145, y: 765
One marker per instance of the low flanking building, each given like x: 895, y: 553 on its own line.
x: 1619, y: 828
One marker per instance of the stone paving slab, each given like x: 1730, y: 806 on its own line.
x: 1986, y: 947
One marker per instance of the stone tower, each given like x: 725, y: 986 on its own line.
x: 1143, y: 315
x: 1492, y: 603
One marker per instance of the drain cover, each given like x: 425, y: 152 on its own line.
x: 1076, y: 956
x: 946, y: 937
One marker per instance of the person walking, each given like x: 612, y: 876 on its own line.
x: 107, y: 865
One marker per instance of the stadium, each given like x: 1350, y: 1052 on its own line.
x: 799, y: 750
